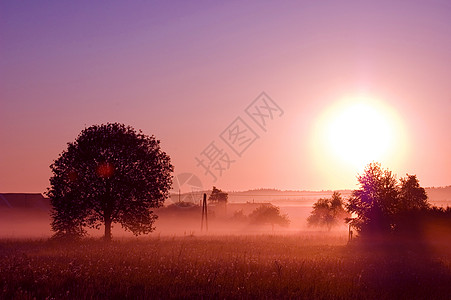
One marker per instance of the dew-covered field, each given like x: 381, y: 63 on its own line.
x: 252, y: 266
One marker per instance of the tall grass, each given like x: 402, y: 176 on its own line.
x: 263, y: 266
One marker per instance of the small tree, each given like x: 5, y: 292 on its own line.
x: 218, y: 196
x: 328, y: 212
x: 269, y: 214
x: 110, y: 174
x: 411, y: 195
x: 412, y: 208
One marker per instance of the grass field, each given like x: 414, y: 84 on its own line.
x: 259, y: 266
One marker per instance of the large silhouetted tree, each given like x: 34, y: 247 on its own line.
x: 328, y: 212
x: 109, y: 174
x: 376, y: 201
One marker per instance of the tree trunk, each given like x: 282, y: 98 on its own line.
x: 107, y: 236
x: 107, y: 212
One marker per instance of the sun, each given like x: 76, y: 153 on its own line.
x: 355, y: 131
x: 360, y: 133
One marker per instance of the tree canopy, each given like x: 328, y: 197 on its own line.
x: 411, y: 195
x: 218, y: 196
x: 381, y: 204
x: 109, y: 174
x: 328, y: 212
x: 269, y: 214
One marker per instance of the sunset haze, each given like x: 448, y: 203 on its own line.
x: 185, y: 72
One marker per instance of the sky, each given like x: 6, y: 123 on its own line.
x: 334, y: 75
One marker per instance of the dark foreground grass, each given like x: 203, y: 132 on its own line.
x: 222, y: 267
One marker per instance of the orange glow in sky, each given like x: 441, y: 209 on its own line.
x: 357, y: 81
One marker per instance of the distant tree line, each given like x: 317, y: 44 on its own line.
x: 265, y: 214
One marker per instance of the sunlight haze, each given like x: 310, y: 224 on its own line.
x: 185, y: 73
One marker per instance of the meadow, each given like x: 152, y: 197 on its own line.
x: 303, y: 266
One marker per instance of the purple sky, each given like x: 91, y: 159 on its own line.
x: 184, y: 72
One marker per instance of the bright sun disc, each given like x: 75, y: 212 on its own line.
x: 360, y: 133
x: 354, y: 132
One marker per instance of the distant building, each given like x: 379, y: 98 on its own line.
x: 29, y: 201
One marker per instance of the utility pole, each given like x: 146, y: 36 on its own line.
x: 204, y: 214
x: 349, y: 233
